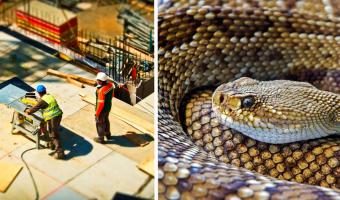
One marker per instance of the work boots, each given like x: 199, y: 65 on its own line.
x: 59, y: 155
x: 108, y: 136
x: 51, y: 145
x: 99, y: 140
x: 59, y: 152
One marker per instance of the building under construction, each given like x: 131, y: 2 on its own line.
x: 63, y: 45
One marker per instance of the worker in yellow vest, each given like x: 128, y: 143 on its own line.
x: 52, y: 115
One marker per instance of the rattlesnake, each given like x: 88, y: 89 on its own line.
x: 206, y: 43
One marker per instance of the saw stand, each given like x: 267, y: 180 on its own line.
x: 32, y: 126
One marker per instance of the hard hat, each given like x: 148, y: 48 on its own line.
x: 101, y: 76
x: 41, y: 88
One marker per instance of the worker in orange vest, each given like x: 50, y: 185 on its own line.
x: 104, y: 95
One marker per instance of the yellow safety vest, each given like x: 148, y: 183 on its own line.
x: 53, y: 109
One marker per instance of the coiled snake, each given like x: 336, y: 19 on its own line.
x: 206, y: 43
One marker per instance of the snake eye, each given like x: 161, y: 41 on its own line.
x: 248, y: 102
x: 221, y: 98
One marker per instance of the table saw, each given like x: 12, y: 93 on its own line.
x: 19, y: 96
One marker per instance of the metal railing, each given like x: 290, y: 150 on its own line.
x: 117, y: 55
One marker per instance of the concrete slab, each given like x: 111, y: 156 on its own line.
x: 81, y: 148
x: 67, y: 94
x: 2, y: 154
x: 147, y: 104
x: 24, y: 61
x: 138, y: 154
x: 69, y: 68
x: 121, y: 171
x: 22, y: 187
x: 119, y: 143
x: 81, y: 154
x: 9, y: 142
x: 148, y: 190
x: 85, y: 116
x: 66, y: 193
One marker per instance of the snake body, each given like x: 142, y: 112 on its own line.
x: 211, y: 42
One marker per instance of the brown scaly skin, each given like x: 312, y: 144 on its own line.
x: 314, y: 162
x: 204, y: 45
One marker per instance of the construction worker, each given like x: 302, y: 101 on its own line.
x: 104, y: 94
x: 133, y: 74
x: 52, y: 115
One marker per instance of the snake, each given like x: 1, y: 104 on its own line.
x: 231, y: 71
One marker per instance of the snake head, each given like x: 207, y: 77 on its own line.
x: 276, y: 111
x: 235, y: 101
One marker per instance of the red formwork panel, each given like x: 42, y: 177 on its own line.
x: 46, y: 25
x: 58, y: 35
x: 70, y: 42
x: 65, y: 34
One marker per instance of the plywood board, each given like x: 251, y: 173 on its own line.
x: 133, y: 116
x: 147, y: 166
x: 8, y: 172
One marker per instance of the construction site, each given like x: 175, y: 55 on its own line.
x: 64, y: 46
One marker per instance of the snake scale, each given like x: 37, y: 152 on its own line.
x: 207, y: 43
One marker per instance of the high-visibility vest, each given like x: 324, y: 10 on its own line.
x: 53, y: 109
x: 105, y: 94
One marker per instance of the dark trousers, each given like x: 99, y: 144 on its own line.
x: 53, y: 129
x: 103, y: 125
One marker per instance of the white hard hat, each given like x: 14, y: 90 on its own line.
x: 101, y: 76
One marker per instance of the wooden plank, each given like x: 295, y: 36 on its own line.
x: 75, y: 82
x: 147, y: 166
x: 127, y: 113
x: 65, y: 57
x: 8, y: 172
x: 72, y: 76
